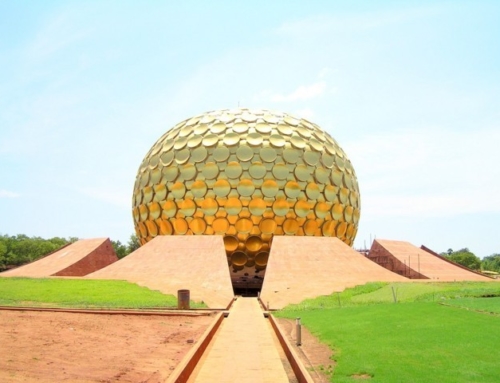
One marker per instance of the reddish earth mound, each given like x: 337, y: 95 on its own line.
x: 410, y: 261
x: 169, y: 263
x: 307, y: 267
x: 74, y: 260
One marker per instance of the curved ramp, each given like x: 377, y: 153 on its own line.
x: 408, y: 260
x: 307, y: 267
x: 77, y: 259
x: 173, y: 262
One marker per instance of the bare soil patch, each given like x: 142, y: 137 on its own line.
x: 49, y: 346
x: 316, y: 356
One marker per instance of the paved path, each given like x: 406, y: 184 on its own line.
x: 243, y: 349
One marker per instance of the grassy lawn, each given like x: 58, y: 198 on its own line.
x: 82, y: 293
x: 381, y: 292
x: 487, y: 305
x: 419, y: 340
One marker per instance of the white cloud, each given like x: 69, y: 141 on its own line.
x: 320, y: 25
x: 8, y: 194
x: 113, y: 197
x: 429, y: 205
x: 304, y: 92
x: 59, y: 33
x: 324, y: 72
x: 427, y: 172
x: 307, y: 113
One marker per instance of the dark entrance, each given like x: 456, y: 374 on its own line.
x: 247, y: 283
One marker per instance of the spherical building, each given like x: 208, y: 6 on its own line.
x: 247, y: 175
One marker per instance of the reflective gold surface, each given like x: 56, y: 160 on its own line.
x: 248, y: 175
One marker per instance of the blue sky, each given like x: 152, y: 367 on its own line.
x: 410, y: 90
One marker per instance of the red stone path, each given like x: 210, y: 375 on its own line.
x: 77, y: 259
x: 243, y: 350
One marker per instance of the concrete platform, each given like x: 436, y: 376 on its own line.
x: 307, y: 267
x: 243, y: 349
x: 77, y: 259
x: 169, y: 263
x: 408, y: 260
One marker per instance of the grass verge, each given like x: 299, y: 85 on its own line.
x: 382, y: 292
x: 484, y: 305
x: 418, y: 340
x: 82, y: 293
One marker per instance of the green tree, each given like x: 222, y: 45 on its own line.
x: 463, y: 257
x: 20, y: 249
x: 59, y: 242
x: 120, y: 249
x: 133, y: 243
x: 3, y: 254
x: 491, y: 263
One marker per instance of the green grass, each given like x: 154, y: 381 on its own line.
x: 381, y: 292
x: 416, y: 340
x: 486, y: 305
x: 82, y: 293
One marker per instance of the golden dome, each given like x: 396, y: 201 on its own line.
x: 247, y: 175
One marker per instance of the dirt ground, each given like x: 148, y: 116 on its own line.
x: 316, y: 356
x: 58, y: 347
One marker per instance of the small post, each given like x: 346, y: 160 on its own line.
x: 394, y: 295
x: 338, y: 298
x: 299, y: 331
x: 183, y: 297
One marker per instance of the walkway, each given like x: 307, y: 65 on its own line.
x: 243, y: 349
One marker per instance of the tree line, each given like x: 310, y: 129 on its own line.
x: 123, y: 250
x: 467, y: 258
x: 20, y: 249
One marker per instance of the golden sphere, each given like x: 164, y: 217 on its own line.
x: 247, y: 175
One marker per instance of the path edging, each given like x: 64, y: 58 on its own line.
x: 108, y: 311
x: 187, y: 365
x: 298, y: 368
